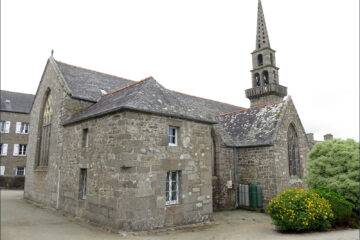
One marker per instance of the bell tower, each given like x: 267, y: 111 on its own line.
x: 265, y: 75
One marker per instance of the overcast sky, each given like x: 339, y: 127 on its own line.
x: 198, y: 47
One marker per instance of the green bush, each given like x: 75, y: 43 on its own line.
x: 335, y: 164
x: 341, y: 208
x: 297, y: 210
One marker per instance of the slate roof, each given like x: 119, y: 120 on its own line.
x: 15, y: 102
x: 149, y: 96
x: 250, y: 127
x: 87, y: 84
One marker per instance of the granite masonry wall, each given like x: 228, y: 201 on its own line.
x: 41, y: 183
x: 266, y: 166
x: 127, y: 160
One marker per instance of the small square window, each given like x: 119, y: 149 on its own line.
x: 172, y: 187
x: 20, y: 171
x: 173, y: 132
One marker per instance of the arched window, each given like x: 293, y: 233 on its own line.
x: 293, y: 150
x: 260, y: 59
x: 257, y: 79
x: 45, y: 131
x: 271, y: 58
x: 265, y: 76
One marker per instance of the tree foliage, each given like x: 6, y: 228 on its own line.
x: 335, y: 164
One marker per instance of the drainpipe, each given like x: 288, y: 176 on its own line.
x: 235, y: 157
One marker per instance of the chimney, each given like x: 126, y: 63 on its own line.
x: 328, y: 136
x: 310, y: 137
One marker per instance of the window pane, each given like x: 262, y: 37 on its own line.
x: 167, y: 196
x: 173, y: 196
x: 173, y: 176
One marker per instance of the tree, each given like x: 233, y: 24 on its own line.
x: 335, y: 164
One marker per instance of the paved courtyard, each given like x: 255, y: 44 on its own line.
x: 22, y: 220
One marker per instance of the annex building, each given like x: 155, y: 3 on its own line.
x: 137, y: 156
x: 14, y: 130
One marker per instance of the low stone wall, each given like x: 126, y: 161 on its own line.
x: 12, y: 182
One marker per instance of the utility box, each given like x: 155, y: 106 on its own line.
x: 250, y: 196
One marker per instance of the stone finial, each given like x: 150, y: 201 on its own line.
x: 328, y: 136
x: 52, y: 52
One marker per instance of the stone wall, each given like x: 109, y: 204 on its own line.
x: 127, y: 160
x: 223, y: 197
x: 42, y: 181
x: 283, y: 181
x: 266, y: 166
x: 10, y: 161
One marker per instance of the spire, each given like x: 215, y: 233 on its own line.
x: 262, y: 38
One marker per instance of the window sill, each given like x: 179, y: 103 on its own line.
x: 172, y: 145
x: 172, y: 204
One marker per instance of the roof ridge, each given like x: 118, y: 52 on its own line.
x: 17, y: 92
x: 257, y: 106
x: 132, y: 84
x: 90, y: 70
x: 204, y: 98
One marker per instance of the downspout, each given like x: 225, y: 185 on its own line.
x: 235, y: 157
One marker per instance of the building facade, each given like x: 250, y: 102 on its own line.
x: 137, y: 156
x: 14, y: 130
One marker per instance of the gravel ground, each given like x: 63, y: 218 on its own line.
x: 22, y: 220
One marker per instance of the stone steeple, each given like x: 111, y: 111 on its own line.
x: 265, y: 77
x: 262, y: 37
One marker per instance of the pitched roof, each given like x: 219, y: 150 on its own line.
x: 149, y: 96
x: 15, y: 102
x: 250, y: 127
x: 87, y: 84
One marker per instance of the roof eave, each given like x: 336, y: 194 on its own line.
x: 69, y: 122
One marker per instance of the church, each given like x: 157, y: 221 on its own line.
x: 134, y: 155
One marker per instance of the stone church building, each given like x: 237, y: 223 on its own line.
x: 137, y: 156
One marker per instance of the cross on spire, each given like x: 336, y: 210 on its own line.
x: 262, y: 38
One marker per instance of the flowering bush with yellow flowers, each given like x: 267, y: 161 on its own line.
x: 299, y: 210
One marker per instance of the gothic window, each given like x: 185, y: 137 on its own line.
x: 257, y: 79
x: 293, y: 151
x: 265, y: 75
x: 260, y: 59
x: 45, y: 132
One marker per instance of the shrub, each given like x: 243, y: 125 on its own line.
x: 298, y: 210
x: 341, y: 208
x: 335, y: 164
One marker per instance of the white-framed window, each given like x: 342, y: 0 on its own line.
x: 20, y: 171
x: 173, y: 135
x: 83, y: 181
x: 19, y: 149
x: 22, y: 127
x: 3, y: 149
x: 5, y: 126
x: 172, y: 187
x: 2, y: 170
